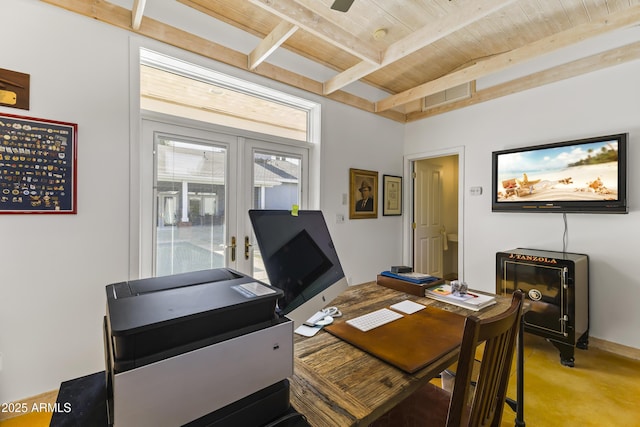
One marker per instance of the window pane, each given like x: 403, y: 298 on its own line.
x: 276, y: 185
x: 190, y: 229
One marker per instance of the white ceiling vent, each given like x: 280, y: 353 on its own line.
x: 456, y: 93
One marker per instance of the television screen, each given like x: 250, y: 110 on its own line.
x: 300, y: 259
x: 585, y: 176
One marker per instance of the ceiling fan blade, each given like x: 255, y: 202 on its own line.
x: 342, y: 5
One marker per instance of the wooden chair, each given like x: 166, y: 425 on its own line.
x: 433, y: 406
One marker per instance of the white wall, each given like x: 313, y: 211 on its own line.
x: 365, y: 246
x: 55, y: 267
x: 600, y: 103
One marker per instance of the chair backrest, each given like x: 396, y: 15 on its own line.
x: 499, y: 335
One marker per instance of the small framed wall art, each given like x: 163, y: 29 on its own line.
x: 363, y: 193
x: 391, y: 195
x: 37, y: 165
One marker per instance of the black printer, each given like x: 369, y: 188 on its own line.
x: 179, y: 348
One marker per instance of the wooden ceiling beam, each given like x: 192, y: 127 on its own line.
x: 610, y: 58
x: 269, y: 44
x: 120, y: 17
x: 317, y: 25
x: 450, y: 23
x: 506, y: 60
x: 137, y: 13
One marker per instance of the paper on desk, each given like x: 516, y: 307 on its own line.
x: 408, y: 307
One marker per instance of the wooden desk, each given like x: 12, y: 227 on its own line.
x: 336, y: 384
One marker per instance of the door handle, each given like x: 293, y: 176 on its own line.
x: 445, y: 245
x: 247, y: 245
x: 233, y: 248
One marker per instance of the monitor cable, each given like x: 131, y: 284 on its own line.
x: 331, y: 311
x: 565, y: 234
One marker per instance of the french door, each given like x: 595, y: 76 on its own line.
x: 278, y: 177
x: 197, y: 186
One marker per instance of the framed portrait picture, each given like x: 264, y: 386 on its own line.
x: 391, y: 195
x: 363, y: 193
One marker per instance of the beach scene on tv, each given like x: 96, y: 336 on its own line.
x: 569, y: 173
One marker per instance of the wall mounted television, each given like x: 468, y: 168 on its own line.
x: 582, y: 176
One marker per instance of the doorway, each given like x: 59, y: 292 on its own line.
x: 434, y: 244
x: 197, y: 185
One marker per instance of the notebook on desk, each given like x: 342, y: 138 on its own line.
x: 409, y: 343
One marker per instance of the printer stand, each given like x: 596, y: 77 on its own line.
x: 87, y: 399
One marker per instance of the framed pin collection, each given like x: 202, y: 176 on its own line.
x: 38, y: 160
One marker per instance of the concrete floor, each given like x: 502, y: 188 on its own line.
x: 601, y: 390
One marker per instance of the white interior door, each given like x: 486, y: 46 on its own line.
x: 428, y: 221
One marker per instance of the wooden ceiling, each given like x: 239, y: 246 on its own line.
x: 408, y: 49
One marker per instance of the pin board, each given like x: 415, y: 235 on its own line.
x: 38, y: 159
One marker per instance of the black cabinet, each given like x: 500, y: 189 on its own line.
x: 556, y: 285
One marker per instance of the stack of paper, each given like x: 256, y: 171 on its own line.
x: 471, y: 300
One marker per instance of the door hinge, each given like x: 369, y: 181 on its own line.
x: 414, y: 225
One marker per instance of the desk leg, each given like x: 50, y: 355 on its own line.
x: 518, y: 405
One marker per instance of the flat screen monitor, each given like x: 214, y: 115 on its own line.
x: 300, y: 259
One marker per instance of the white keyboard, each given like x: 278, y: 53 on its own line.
x: 368, y: 321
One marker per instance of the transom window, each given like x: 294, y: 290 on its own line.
x: 211, y: 97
